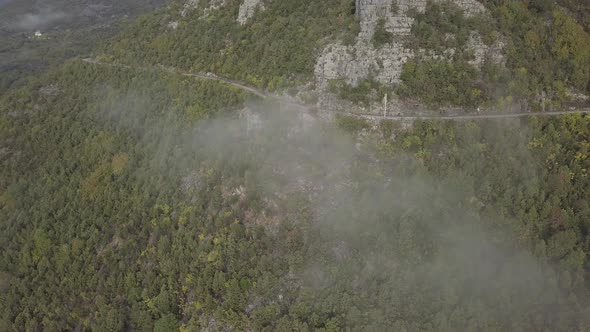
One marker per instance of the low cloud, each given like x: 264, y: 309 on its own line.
x: 415, y: 245
x: 32, y: 21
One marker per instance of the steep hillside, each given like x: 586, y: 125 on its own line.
x: 497, y: 54
x: 273, y: 49
x: 135, y: 197
x: 462, y: 53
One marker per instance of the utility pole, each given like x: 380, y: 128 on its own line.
x: 385, y: 105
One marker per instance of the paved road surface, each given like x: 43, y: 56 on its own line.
x: 288, y: 101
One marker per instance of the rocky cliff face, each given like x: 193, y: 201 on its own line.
x: 207, y: 6
x: 362, y: 60
x: 357, y: 62
x: 188, y: 7
x: 395, y: 13
x: 247, y: 10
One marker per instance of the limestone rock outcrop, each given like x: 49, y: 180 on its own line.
x: 481, y: 51
x: 395, y: 13
x: 188, y: 7
x: 357, y: 62
x: 191, y: 5
x: 384, y: 64
x: 247, y: 10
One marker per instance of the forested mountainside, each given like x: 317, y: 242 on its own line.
x: 457, y: 53
x: 134, y: 198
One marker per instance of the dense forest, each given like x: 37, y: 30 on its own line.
x: 545, y: 46
x: 123, y: 207
x: 547, y: 52
x: 142, y: 200
x: 274, y: 51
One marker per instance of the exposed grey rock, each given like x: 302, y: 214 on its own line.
x: 577, y: 95
x: 247, y: 10
x: 481, y: 51
x: 188, y: 7
x: 173, y: 25
x: 214, y: 5
x: 355, y: 63
x: 192, y: 183
x: 360, y: 61
x: 191, y: 5
x: 49, y: 90
x: 398, y: 22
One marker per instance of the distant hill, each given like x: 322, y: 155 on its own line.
x: 69, y: 28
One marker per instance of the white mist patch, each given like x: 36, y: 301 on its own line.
x: 32, y: 21
x: 406, y: 243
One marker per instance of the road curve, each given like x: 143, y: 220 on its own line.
x: 262, y: 94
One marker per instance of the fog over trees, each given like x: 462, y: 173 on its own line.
x: 134, y: 198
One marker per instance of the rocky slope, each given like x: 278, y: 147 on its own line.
x: 363, y: 60
x: 248, y: 8
x: 354, y: 63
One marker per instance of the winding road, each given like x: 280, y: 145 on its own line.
x: 374, y: 117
